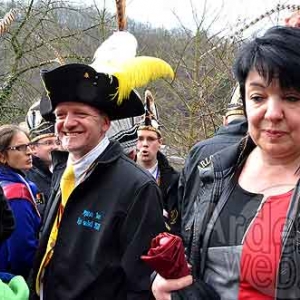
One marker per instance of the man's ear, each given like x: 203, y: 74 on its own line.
x: 105, y: 123
x: 225, y: 121
x: 33, y: 149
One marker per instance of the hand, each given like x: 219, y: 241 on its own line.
x: 162, y: 287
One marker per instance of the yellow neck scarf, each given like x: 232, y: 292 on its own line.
x: 67, y: 185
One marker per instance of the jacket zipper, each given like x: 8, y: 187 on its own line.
x: 290, y: 216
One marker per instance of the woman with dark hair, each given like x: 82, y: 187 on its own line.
x: 240, y: 225
x: 17, y: 252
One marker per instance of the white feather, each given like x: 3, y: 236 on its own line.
x: 119, y: 47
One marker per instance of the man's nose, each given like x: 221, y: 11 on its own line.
x: 145, y: 142
x: 69, y: 121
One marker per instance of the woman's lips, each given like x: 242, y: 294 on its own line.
x: 275, y: 133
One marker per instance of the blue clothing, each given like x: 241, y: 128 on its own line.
x: 17, y: 252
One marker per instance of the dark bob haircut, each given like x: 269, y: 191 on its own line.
x: 274, y: 55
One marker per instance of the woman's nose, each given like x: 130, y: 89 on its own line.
x: 29, y: 150
x: 274, y: 110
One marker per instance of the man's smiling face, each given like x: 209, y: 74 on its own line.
x: 80, y: 127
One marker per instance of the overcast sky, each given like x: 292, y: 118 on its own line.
x: 167, y: 13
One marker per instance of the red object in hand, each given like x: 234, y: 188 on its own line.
x: 166, y: 256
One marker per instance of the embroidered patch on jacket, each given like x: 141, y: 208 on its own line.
x: 205, y: 162
x: 90, y: 219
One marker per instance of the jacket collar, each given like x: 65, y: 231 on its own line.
x: 232, y: 157
x: 40, y: 164
x: 236, y: 127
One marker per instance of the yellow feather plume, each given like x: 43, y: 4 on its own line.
x: 139, y: 71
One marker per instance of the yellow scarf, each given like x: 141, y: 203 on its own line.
x: 67, y: 185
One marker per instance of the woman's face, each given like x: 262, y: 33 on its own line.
x: 17, y: 158
x: 273, y: 116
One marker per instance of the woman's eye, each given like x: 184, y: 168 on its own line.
x: 256, y: 98
x: 292, y: 98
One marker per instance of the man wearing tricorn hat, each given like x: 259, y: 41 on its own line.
x: 107, y: 209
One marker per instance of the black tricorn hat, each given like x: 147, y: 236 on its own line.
x: 81, y: 83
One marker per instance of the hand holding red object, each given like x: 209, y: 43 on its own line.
x: 166, y: 256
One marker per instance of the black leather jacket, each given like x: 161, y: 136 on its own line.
x: 210, y: 185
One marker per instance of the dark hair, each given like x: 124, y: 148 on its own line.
x: 7, y: 132
x: 274, y: 55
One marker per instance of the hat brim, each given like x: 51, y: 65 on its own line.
x: 81, y: 83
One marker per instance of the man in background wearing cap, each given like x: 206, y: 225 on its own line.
x: 42, y: 134
x: 155, y: 162
x: 125, y: 132
x: 107, y: 210
x: 234, y: 128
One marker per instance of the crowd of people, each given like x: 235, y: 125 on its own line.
x: 85, y: 187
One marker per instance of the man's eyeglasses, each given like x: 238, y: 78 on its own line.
x: 22, y: 147
x: 48, y: 143
x: 148, y: 139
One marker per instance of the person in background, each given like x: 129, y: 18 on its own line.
x: 234, y: 128
x: 155, y: 162
x: 125, y: 132
x: 243, y: 221
x: 44, y: 141
x: 17, y: 252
